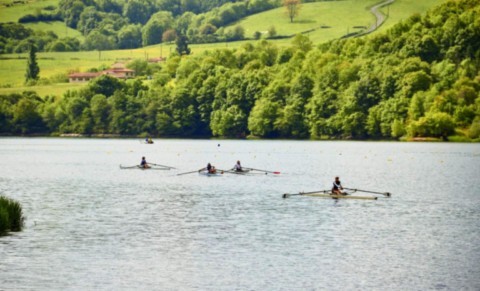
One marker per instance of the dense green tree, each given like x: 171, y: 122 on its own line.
x: 71, y: 10
x: 435, y: 124
x: 26, y: 119
x: 106, y: 85
x: 98, y: 41
x: 292, y: 7
x: 261, y: 121
x: 138, y: 11
x: 129, y: 37
x: 153, y: 31
x: 100, y: 112
x: 182, y: 45
x: 33, y: 70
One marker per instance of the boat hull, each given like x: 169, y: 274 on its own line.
x: 336, y: 196
x: 142, y: 168
x: 218, y: 174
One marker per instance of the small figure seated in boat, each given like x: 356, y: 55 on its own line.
x: 144, y: 163
x: 148, y: 140
x: 337, y: 187
x: 211, y: 169
x: 237, y: 167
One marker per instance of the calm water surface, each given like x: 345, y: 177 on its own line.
x: 90, y: 225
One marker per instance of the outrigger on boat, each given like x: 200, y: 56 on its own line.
x: 346, y: 195
x: 218, y: 173
x: 139, y: 167
x: 341, y: 196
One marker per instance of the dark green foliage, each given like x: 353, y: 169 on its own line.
x: 11, y: 217
x: 182, y: 45
x: 14, y: 31
x: 106, y: 85
x: 33, y: 70
x: 435, y: 124
x: 158, y: 24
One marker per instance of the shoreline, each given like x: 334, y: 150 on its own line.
x: 450, y: 139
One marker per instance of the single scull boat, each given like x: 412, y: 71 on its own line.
x: 142, y: 168
x: 336, y: 196
x: 205, y: 173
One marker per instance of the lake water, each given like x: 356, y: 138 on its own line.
x: 92, y: 226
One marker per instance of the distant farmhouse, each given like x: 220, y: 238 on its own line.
x: 117, y: 70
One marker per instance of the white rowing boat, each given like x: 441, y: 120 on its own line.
x: 242, y: 172
x: 329, y: 194
x: 341, y: 196
x: 138, y: 167
x: 205, y: 173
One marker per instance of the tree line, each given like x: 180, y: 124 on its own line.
x: 420, y: 78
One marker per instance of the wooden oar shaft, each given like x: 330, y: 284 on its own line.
x: 261, y: 170
x: 368, y: 191
x: 305, y: 193
x: 196, y: 171
x: 129, y: 167
x: 162, y: 166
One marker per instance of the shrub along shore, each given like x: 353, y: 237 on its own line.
x: 11, y: 217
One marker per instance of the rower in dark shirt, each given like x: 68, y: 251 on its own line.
x: 211, y: 169
x: 144, y: 163
x: 337, y: 187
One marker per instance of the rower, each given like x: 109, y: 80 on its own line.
x: 238, y: 167
x: 144, y: 163
x: 211, y: 169
x: 337, y: 187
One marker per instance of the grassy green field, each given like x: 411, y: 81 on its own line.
x: 58, y: 27
x: 340, y: 16
x: 403, y: 9
x: 15, y: 11
x: 55, y: 89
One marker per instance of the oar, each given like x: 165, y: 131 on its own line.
x: 189, y: 172
x: 128, y: 167
x: 387, y: 194
x: 275, y: 172
x: 162, y: 166
x: 234, y: 172
x: 304, y: 193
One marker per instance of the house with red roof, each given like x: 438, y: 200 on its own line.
x: 117, y: 70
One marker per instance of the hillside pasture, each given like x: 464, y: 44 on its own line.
x: 324, y: 20
x: 11, y: 11
x: 13, y: 66
x: 58, y: 27
x: 45, y: 90
x: 403, y: 9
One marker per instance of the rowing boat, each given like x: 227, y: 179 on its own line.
x: 336, y: 196
x: 205, y: 173
x: 142, y: 168
x: 329, y: 194
x: 242, y: 172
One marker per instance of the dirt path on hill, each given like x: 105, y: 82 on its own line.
x: 379, y: 16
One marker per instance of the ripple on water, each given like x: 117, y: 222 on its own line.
x: 92, y: 226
